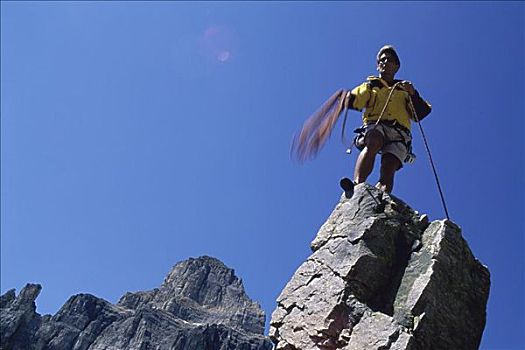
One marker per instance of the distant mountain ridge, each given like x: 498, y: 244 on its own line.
x: 201, y: 305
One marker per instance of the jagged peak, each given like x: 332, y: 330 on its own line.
x: 214, y: 264
x: 201, y: 289
x: 205, y: 280
x: 163, y: 318
x: 7, y: 298
x: 27, y: 295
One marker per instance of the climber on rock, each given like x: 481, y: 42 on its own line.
x: 390, y: 105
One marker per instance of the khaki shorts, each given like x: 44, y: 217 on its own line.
x: 398, y: 149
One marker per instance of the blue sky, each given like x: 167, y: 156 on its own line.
x: 138, y: 134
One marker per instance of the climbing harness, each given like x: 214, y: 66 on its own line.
x: 359, y: 139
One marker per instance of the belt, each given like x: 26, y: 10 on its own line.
x: 391, y: 123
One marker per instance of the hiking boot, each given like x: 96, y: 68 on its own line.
x: 348, y: 186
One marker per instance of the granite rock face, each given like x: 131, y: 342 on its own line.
x: 382, y: 277
x: 201, y: 305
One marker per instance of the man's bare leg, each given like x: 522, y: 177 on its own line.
x: 389, y: 165
x: 365, y: 161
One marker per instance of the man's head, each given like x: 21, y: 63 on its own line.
x: 388, y: 61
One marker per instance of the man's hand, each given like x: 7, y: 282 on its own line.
x: 408, y: 87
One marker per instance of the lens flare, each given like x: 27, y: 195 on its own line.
x: 218, y: 44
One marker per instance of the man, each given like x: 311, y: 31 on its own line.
x: 386, y: 120
x: 389, y: 105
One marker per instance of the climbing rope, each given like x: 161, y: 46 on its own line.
x: 427, y: 147
x: 387, y: 100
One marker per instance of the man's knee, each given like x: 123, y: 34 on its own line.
x: 374, y: 141
x: 390, y: 163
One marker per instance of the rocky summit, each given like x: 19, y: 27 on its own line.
x: 381, y: 277
x: 201, y: 305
